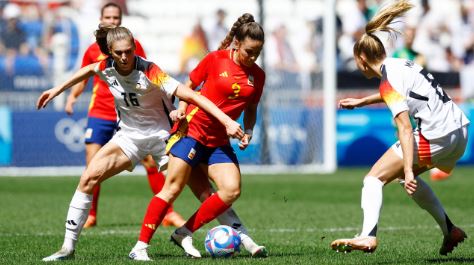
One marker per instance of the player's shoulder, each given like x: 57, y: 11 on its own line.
x: 143, y: 64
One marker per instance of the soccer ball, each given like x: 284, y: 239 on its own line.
x: 222, y: 241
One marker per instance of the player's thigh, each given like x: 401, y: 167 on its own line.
x: 91, y: 150
x: 109, y: 161
x: 390, y: 167
x: 199, y: 182
x: 226, y: 176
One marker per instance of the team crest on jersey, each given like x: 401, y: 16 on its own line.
x: 140, y: 86
x: 250, y: 80
x: 192, y: 153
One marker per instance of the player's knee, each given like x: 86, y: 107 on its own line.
x: 230, y: 194
x: 87, y: 183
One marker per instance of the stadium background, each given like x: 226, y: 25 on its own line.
x: 51, y: 36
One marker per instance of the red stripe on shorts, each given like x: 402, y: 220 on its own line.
x: 424, y: 151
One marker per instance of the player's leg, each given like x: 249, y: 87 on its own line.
x: 98, y: 133
x: 202, y: 189
x: 177, y: 177
x: 385, y: 170
x: 156, y: 179
x: 108, y: 161
x: 91, y: 150
x: 444, y: 153
x: 437, y: 174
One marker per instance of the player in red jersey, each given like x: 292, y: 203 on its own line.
x: 232, y: 81
x: 102, y: 118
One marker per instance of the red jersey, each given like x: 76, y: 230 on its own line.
x: 102, y: 102
x: 228, y: 85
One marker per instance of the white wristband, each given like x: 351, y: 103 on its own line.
x: 249, y: 132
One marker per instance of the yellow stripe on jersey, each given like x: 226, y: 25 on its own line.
x: 94, y: 95
x: 390, y: 95
x: 181, y: 132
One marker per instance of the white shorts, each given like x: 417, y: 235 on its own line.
x: 137, y: 149
x: 442, y: 153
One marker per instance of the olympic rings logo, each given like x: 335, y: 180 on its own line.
x: 71, y: 133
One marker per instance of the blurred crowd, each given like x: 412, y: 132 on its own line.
x: 437, y: 34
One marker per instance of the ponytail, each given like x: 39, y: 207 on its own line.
x: 369, y: 43
x: 245, y: 26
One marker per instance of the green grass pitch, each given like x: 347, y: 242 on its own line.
x: 294, y: 216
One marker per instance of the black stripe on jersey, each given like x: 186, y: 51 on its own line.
x: 109, y: 62
x: 141, y: 64
x: 417, y: 96
x: 118, y: 120
x: 167, y: 111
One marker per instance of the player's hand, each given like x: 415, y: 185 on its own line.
x: 46, y: 97
x: 350, y: 103
x: 233, y: 129
x: 245, y: 141
x: 177, y: 115
x: 69, y: 108
x: 410, y: 183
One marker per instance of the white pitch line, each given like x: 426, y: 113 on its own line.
x: 272, y: 230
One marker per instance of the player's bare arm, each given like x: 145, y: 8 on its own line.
x: 79, y: 76
x: 402, y: 120
x: 351, y: 103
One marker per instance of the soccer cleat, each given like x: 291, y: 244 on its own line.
x: 139, y: 254
x: 367, y: 244
x: 62, y: 254
x: 173, y: 219
x: 438, y: 175
x: 259, y: 252
x: 90, y: 222
x: 252, y: 247
x: 450, y: 241
x: 185, y: 241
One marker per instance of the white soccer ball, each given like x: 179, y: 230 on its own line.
x: 222, y: 241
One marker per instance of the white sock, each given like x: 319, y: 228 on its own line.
x: 140, y: 245
x: 426, y: 199
x: 76, y: 217
x: 371, y: 203
x: 230, y: 218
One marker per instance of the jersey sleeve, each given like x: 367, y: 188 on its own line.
x: 161, y: 79
x: 87, y: 58
x: 391, y: 93
x: 100, y: 66
x: 199, y: 74
x: 139, y: 49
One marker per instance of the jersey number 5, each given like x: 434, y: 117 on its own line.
x: 132, y: 99
x: 236, y: 90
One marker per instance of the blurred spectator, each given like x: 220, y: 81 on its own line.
x: 407, y: 51
x: 354, y: 15
x: 467, y: 41
x: 12, y: 36
x: 217, y: 31
x: 281, y: 60
x: 434, y: 38
x: 193, y: 49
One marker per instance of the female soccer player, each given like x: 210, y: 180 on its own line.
x: 142, y: 92
x: 438, y: 140
x: 232, y: 80
x: 102, y: 118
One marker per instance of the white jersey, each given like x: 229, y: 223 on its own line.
x: 143, y: 99
x: 406, y: 86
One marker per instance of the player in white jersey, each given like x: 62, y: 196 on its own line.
x: 438, y: 140
x: 141, y: 91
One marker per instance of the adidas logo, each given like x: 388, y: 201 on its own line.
x: 224, y: 74
x: 71, y: 222
x: 151, y: 226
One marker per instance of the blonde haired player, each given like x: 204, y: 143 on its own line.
x: 438, y: 140
x: 141, y: 93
